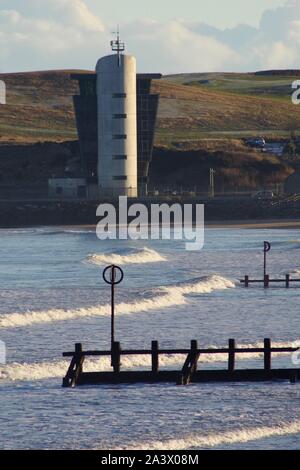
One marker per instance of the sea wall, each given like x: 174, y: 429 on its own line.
x: 25, y: 214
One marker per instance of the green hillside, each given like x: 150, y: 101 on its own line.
x: 270, y: 86
x: 202, y: 121
x: 216, y: 105
x: 192, y: 107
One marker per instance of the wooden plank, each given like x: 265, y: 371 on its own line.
x: 182, y: 377
x: 128, y: 377
x: 75, y: 367
x: 78, y: 371
x: 190, y: 365
x: 142, y: 352
x: 246, y: 375
x: 271, y: 281
x: 79, y: 358
x: 201, y: 376
x: 69, y: 375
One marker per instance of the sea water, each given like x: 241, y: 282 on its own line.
x: 52, y: 296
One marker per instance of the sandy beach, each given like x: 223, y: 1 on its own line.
x: 246, y: 224
x: 255, y: 224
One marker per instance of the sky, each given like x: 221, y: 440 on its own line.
x: 228, y: 14
x: 167, y: 36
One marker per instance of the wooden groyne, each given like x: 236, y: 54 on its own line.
x: 190, y: 372
x: 266, y: 279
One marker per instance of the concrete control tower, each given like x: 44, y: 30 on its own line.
x: 117, y: 123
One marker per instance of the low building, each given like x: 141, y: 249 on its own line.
x: 292, y: 184
x: 67, y: 188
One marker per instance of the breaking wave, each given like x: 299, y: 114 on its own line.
x: 57, y: 369
x: 146, y: 255
x: 196, y: 440
x: 166, y: 297
x: 295, y: 273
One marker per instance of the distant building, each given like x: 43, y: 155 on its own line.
x: 116, y: 116
x: 67, y: 188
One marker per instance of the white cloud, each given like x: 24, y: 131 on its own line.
x: 58, y: 36
x: 76, y: 13
x: 43, y: 34
x: 172, y: 47
x: 277, y: 55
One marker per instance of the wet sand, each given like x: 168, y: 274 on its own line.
x: 246, y: 224
x: 255, y: 224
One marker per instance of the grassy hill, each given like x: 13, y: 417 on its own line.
x: 39, y: 107
x: 198, y: 106
x: 202, y: 120
x: 263, y: 84
x: 192, y: 107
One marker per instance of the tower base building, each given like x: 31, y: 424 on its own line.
x: 116, y: 117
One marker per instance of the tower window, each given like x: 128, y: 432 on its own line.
x: 119, y: 116
x: 120, y: 178
x: 119, y: 95
x: 120, y: 157
x: 120, y: 137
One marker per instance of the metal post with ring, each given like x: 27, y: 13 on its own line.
x: 267, y: 248
x: 113, y: 275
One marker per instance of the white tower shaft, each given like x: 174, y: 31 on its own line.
x: 117, y: 126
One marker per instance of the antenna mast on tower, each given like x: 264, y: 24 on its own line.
x: 117, y: 45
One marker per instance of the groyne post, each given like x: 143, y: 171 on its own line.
x: 267, y: 354
x: 267, y: 281
x: 155, y: 357
x: 116, y: 357
x: 231, y: 355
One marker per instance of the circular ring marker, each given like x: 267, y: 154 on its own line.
x: 110, y: 275
x: 267, y: 247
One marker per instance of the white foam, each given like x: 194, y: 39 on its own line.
x: 57, y: 369
x: 165, y: 297
x: 238, y: 436
x: 204, y: 285
x: 146, y: 255
x: 223, y: 357
x: 31, y: 372
x: 295, y: 273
